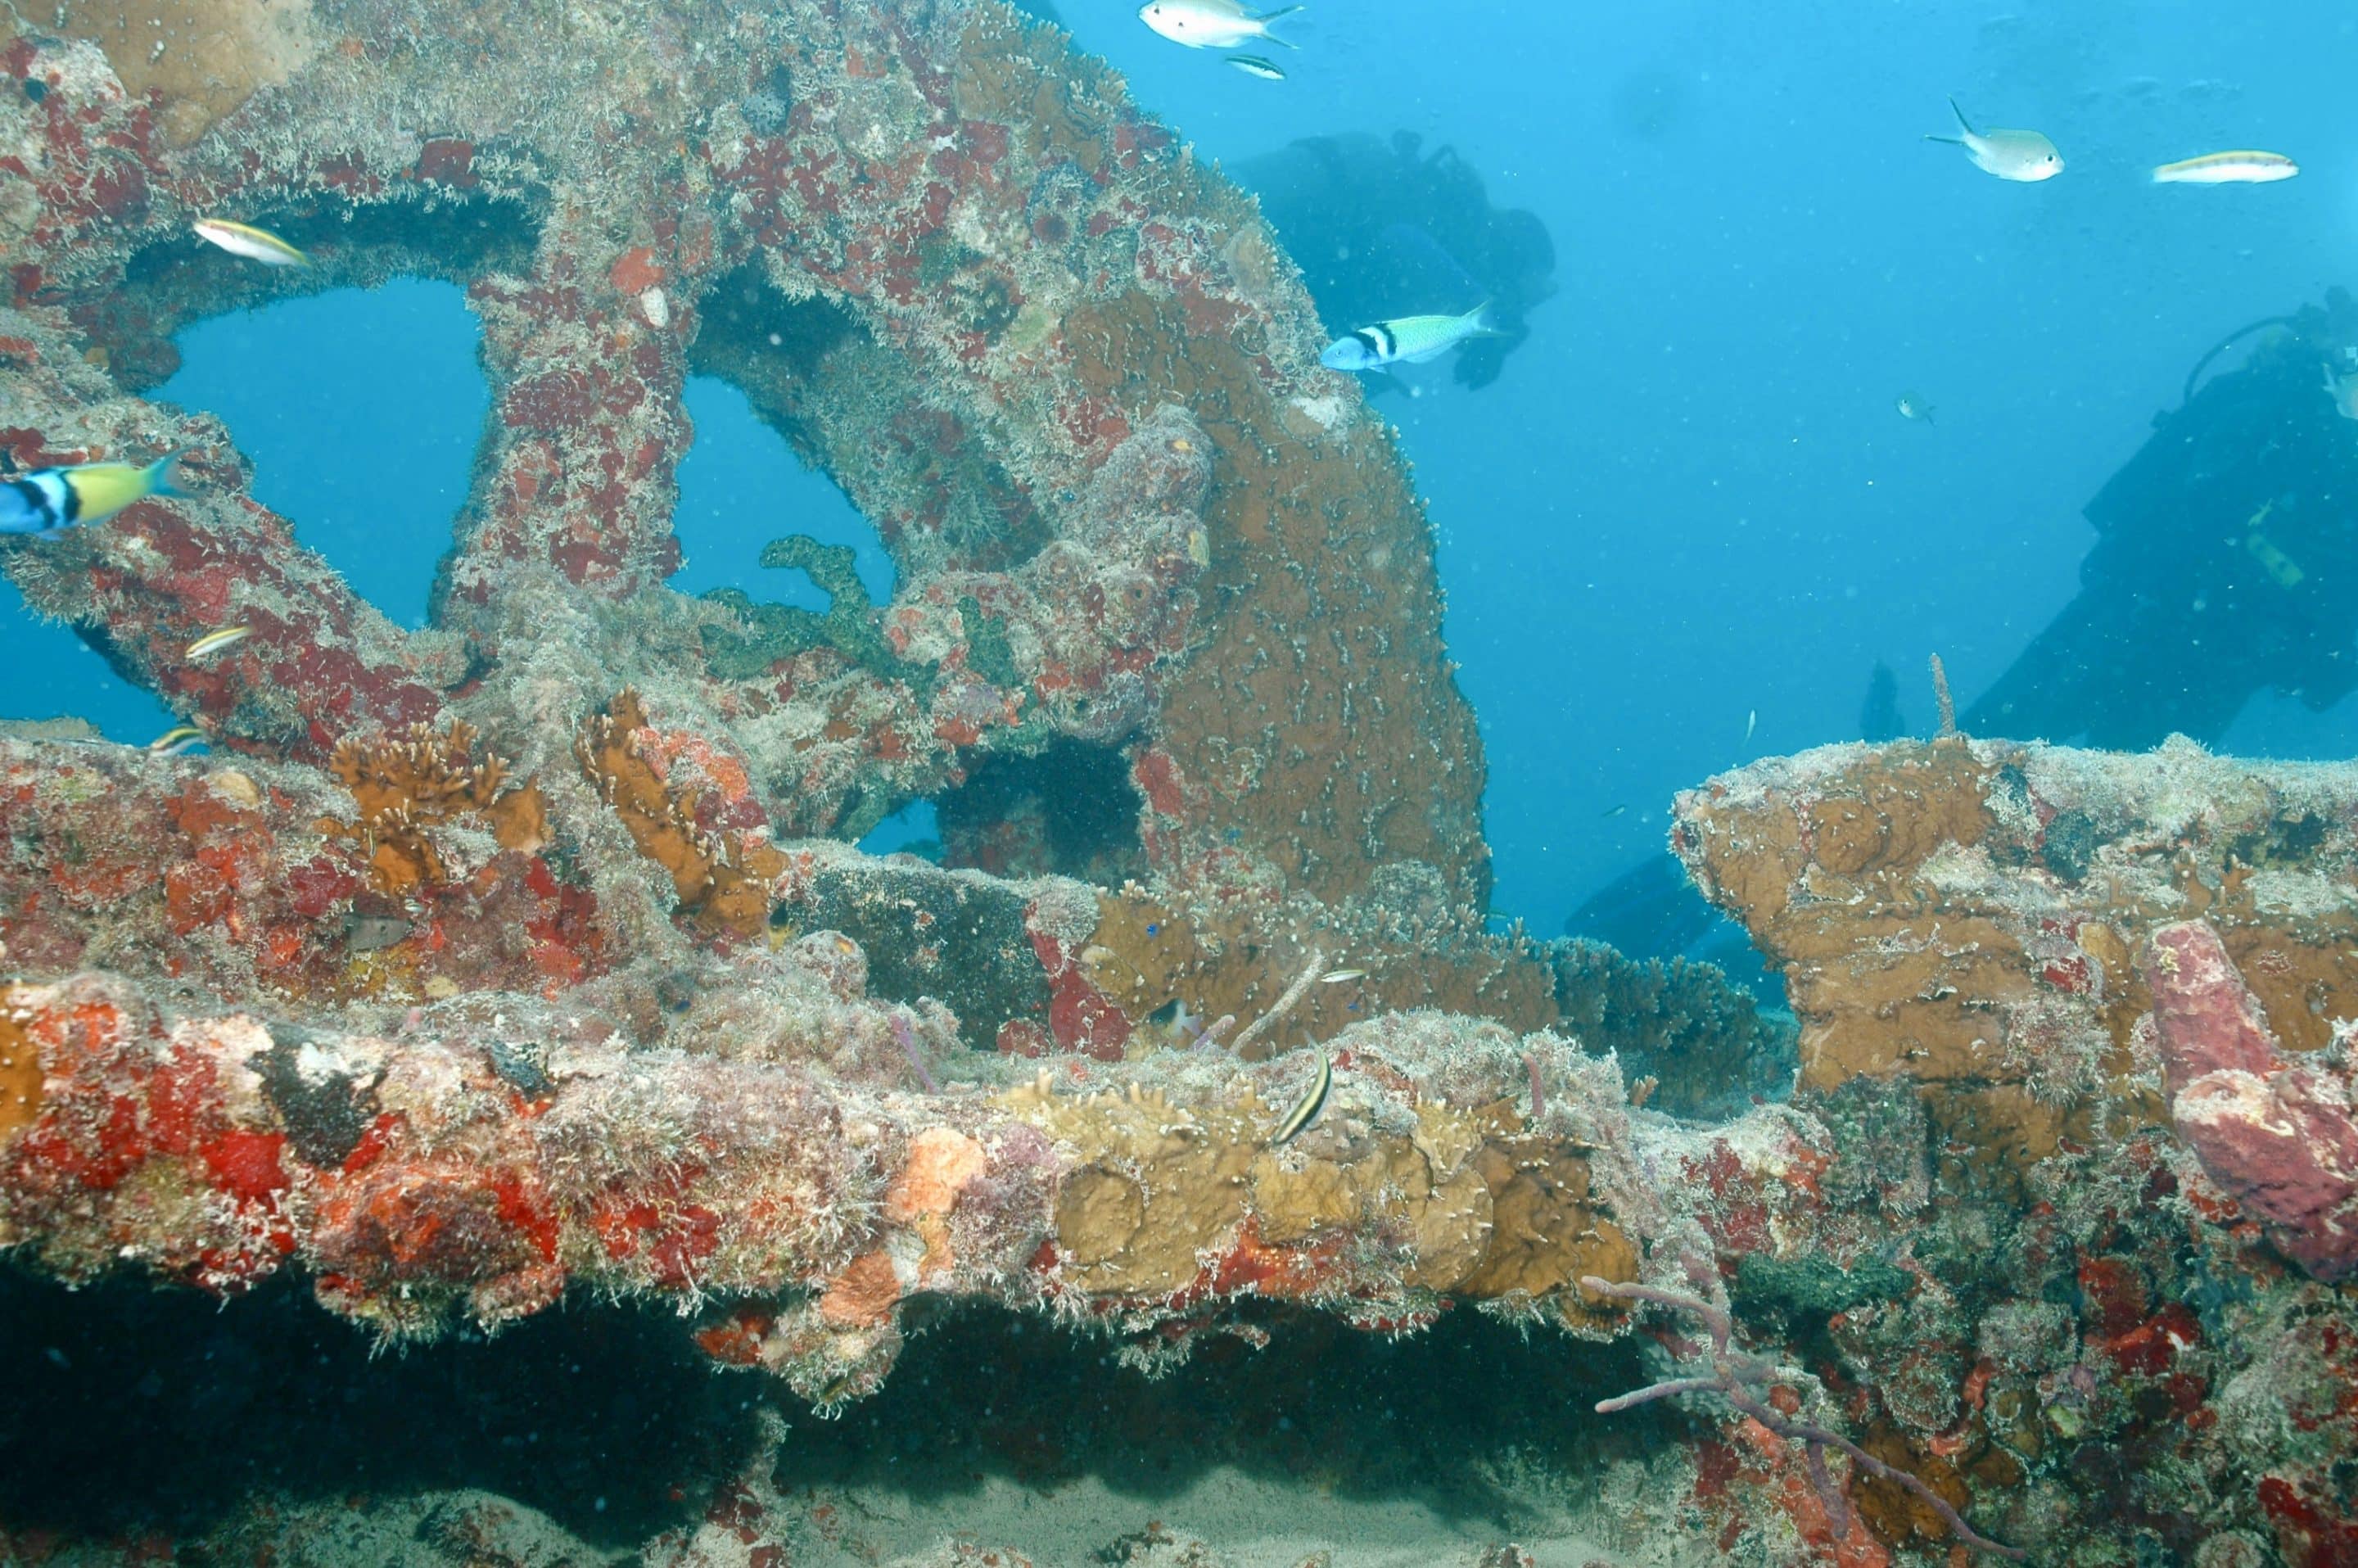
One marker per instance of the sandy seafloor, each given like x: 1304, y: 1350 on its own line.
x: 1223, y: 1519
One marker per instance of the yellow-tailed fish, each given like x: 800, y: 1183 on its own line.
x: 1413, y: 339
x: 1305, y: 1110
x: 179, y: 738
x: 49, y: 501
x: 253, y: 244
x: 212, y: 643
x: 2024, y: 156
x: 2243, y: 167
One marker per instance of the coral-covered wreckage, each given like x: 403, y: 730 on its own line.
x: 527, y: 953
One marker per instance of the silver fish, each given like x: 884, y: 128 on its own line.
x: 2022, y: 155
x: 1213, y: 24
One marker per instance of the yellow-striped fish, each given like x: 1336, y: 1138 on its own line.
x: 179, y: 738
x: 49, y: 501
x: 253, y: 244
x: 1305, y: 1110
x: 2243, y: 168
x: 212, y: 643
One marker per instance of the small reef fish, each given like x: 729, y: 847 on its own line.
x: 2023, y: 156
x: 178, y: 741
x: 1341, y: 977
x: 1213, y: 24
x: 1612, y: 811
x: 1253, y: 65
x: 2243, y: 167
x: 1176, y: 1023
x: 48, y: 500
x: 1911, y: 407
x: 1751, y: 722
x: 374, y: 932
x: 212, y: 643
x: 253, y: 244
x: 1410, y: 339
x: 1305, y: 1110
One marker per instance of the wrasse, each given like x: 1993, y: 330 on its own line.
x: 1341, y: 977
x: 212, y: 643
x: 253, y: 244
x: 1254, y: 65
x: 177, y: 741
x: 2243, y: 167
x: 1413, y: 339
x: 49, y: 501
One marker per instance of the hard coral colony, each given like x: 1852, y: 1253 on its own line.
x: 523, y: 956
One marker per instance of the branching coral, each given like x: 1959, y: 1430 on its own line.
x: 1748, y: 1385
x: 422, y: 778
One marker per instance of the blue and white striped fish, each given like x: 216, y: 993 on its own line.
x: 1410, y: 339
x: 49, y: 501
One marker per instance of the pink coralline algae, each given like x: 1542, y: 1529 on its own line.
x: 2278, y: 1134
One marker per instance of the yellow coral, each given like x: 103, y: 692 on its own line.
x: 722, y: 886
x: 20, y: 1071
x: 406, y: 783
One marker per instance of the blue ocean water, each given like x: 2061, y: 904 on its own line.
x: 1684, y: 522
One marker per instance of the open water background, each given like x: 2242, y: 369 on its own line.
x: 1689, y: 500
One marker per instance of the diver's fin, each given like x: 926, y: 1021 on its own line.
x: 1266, y: 17
x: 1960, y: 114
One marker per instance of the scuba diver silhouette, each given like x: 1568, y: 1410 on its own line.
x: 2226, y: 556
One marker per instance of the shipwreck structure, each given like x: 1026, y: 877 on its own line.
x: 527, y: 953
